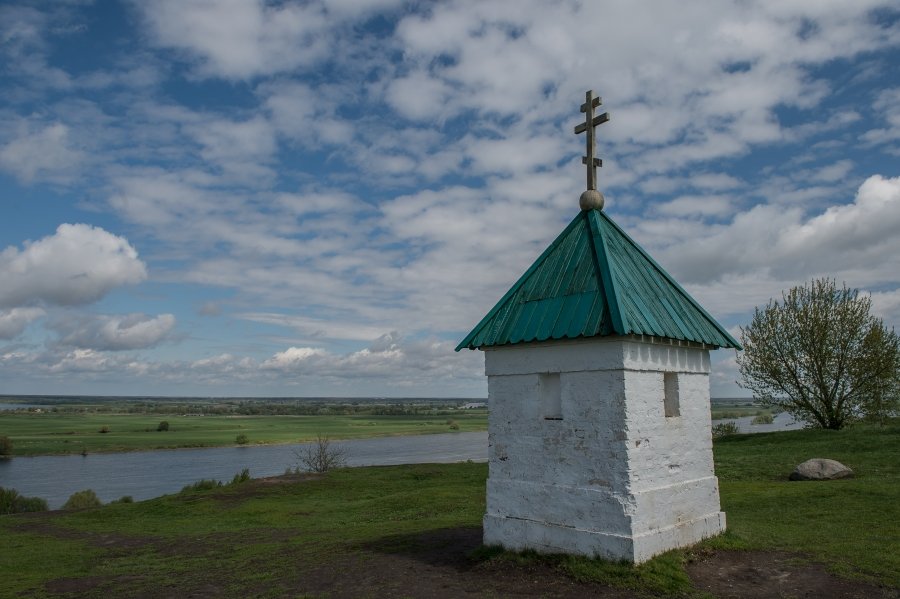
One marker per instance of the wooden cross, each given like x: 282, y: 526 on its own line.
x: 590, y: 121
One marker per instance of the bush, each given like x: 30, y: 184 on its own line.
x: 13, y: 503
x: 242, y: 439
x: 208, y: 484
x: 202, y: 485
x: 8, y: 499
x: 123, y: 499
x: 454, y: 425
x: 321, y: 455
x: 763, y: 419
x: 241, y: 477
x: 81, y: 500
x: 163, y: 426
x: 6, y: 447
x: 31, y: 504
x: 104, y: 429
x: 724, y: 428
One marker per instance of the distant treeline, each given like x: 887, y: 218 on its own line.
x: 259, y: 408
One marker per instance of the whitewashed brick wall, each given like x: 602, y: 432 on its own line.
x: 614, y: 476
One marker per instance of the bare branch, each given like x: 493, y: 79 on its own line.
x: 321, y: 455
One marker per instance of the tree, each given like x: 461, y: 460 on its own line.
x: 820, y: 356
x: 321, y: 455
x: 81, y: 500
x: 6, y: 447
x: 163, y: 426
x: 13, y: 503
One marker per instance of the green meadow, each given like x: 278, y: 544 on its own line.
x: 287, y: 538
x: 49, y: 433
x: 737, y: 409
x: 852, y: 524
x: 132, y: 426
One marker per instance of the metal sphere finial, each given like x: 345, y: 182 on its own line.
x: 591, y: 200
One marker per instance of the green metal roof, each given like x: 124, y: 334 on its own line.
x: 594, y: 280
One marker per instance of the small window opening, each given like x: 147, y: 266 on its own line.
x: 670, y: 394
x: 551, y: 399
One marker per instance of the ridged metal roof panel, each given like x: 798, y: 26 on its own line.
x: 594, y: 280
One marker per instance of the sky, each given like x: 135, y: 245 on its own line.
x: 321, y: 198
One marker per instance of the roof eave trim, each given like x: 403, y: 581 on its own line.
x: 467, y: 342
x: 732, y: 341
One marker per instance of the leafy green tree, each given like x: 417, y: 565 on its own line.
x: 820, y: 356
x: 13, y: 503
x: 6, y: 447
x: 81, y: 500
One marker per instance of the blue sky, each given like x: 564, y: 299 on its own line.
x: 236, y: 197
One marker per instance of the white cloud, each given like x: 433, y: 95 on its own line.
x: 886, y: 305
x: 238, y: 39
x: 209, y: 309
x: 13, y: 322
x: 887, y: 105
x: 46, y: 152
x: 418, y: 96
x: 782, y: 241
x: 691, y: 205
x: 241, y: 148
x: 78, y: 264
x: 358, y: 8
x: 768, y: 248
x: 157, y: 199
x: 113, y: 332
x: 306, y: 115
x: 293, y: 358
x: 313, y: 328
x: 388, y: 357
x: 835, y: 172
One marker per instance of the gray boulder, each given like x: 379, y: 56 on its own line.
x: 821, y: 469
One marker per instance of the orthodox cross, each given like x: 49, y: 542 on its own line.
x: 590, y: 121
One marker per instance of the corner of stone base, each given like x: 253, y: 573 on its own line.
x: 654, y: 542
x: 518, y: 534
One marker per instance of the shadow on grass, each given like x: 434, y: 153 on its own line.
x: 452, y: 547
x: 462, y: 550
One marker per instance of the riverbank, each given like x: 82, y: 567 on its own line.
x: 51, y: 433
x: 148, y: 474
x: 415, y: 531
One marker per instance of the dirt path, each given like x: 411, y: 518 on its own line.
x: 438, y: 565
x: 740, y: 574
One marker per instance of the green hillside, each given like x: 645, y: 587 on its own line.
x: 412, y: 530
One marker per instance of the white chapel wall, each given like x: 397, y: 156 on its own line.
x: 610, y: 467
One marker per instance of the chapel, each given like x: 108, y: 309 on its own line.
x: 598, y: 395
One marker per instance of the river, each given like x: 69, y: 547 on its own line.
x: 147, y: 474
x: 781, y: 422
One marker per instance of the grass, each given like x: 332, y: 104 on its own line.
x: 62, y: 433
x: 853, y: 525
x: 261, y: 540
x: 664, y: 574
x: 319, y: 519
x: 727, y: 412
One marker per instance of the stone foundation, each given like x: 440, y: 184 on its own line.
x: 518, y: 535
x: 600, y: 447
